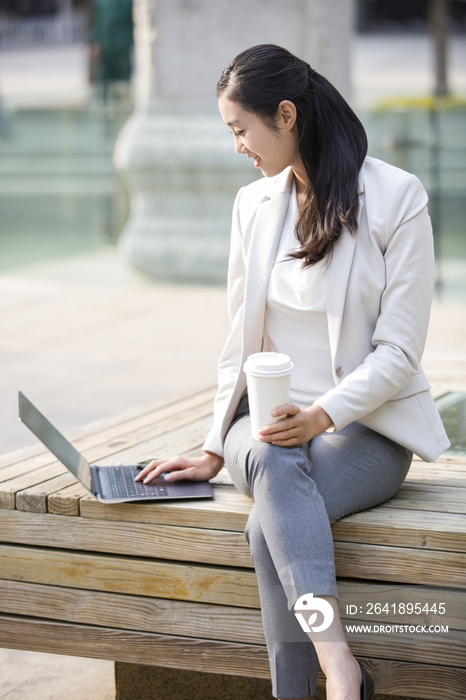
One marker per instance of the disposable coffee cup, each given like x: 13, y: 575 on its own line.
x: 268, y: 378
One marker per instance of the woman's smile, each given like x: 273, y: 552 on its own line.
x: 278, y: 147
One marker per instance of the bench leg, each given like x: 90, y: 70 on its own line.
x: 137, y: 682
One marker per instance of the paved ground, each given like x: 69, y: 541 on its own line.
x: 84, y: 338
x: 33, y: 676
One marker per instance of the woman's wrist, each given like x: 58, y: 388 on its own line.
x: 319, y: 421
x: 214, y: 461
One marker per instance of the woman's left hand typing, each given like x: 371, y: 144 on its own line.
x: 299, y: 426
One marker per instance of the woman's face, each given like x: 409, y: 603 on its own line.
x: 272, y: 150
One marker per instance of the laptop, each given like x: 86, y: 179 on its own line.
x: 107, y: 484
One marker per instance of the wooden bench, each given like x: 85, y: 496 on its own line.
x: 172, y: 584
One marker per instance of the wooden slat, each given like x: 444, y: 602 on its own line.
x: 362, y: 594
x: 131, y: 575
x: 67, y: 501
x: 444, y: 649
x: 448, y: 493
x: 9, y: 489
x: 153, y: 431
x: 444, y: 499
x: 222, y: 547
x: 214, y: 621
x: 436, y: 477
x: 442, y: 532
x: 135, y: 647
x: 21, y: 454
x: 416, y: 680
x: 436, y: 506
x: 166, y: 579
x: 188, y: 437
x: 39, y: 461
x: 447, y: 466
x: 448, y: 459
x: 444, y: 466
x: 130, y: 612
x: 139, y: 540
x: 448, y: 649
x: 400, y: 564
x: 223, y: 477
x: 404, y: 528
x: 228, y: 510
x: 34, y: 499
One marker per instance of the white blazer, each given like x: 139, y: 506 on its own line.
x: 379, y: 293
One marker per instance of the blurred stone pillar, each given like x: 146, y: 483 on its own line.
x: 66, y: 15
x: 174, y: 152
x: 438, y: 16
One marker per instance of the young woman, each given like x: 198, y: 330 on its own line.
x: 331, y: 263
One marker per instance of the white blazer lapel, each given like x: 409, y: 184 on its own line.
x: 338, y: 275
x: 265, y: 237
x: 337, y: 282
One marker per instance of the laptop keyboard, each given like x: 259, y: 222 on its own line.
x: 123, y: 485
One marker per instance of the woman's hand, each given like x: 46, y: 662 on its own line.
x: 193, y: 468
x: 299, y: 426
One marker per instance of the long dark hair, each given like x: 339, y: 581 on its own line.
x: 332, y: 140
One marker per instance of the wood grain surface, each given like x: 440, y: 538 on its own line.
x: 159, y: 578
x: 394, y: 677
x: 217, y: 621
x: 172, y: 583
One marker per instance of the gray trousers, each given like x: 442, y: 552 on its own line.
x: 298, y: 492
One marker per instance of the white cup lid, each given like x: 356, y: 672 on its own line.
x: 268, y: 363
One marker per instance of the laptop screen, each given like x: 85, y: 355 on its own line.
x: 54, y: 440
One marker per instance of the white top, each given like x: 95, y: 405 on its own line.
x: 296, y: 317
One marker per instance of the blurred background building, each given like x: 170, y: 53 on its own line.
x: 65, y: 91
x: 73, y: 71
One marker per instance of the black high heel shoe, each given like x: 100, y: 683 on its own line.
x: 367, y: 685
